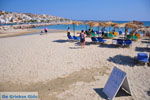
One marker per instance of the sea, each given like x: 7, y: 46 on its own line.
x: 83, y: 27
x: 86, y: 27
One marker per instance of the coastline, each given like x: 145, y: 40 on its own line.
x: 60, y: 70
x: 17, y: 32
x: 26, y: 26
x: 22, y: 32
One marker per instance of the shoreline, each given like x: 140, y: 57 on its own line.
x: 27, y: 26
x: 30, y: 31
x: 22, y: 32
x: 18, y: 32
x: 58, y: 69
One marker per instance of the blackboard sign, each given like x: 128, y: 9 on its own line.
x: 116, y: 80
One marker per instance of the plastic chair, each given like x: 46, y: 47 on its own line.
x: 70, y: 37
x: 101, y: 40
x: 108, y: 35
x: 143, y: 57
x: 120, y: 42
x: 120, y: 32
x: 94, y: 39
x: 76, y: 38
x: 127, y: 42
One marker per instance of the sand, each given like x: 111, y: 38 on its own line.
x: 61, y: 70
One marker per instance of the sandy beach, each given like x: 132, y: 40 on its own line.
x: 59, y: 69
x: 17, y: 32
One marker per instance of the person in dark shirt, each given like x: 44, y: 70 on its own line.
x: 68, y: 31
x: 82, y: 38
x: 45, y: 30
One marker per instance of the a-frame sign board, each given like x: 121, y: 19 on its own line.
x: 117, y: 80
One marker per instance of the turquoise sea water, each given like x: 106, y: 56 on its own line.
x: 83, y: 27
x: 86, y: 27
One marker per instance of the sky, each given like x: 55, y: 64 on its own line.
x: 114, y: 10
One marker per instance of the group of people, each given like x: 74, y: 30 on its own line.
x: 82, y: 36
x: 45, y: 30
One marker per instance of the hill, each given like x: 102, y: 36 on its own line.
x: 13, y: 17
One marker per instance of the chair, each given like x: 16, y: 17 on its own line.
x: 94, y: 39
x: 116, y: 33
x: 109, y: 35
x: 101, y: 40
x: 127, y: 42
x: 132, y: 37
x: 138, y: 35
x: 142, y: 57
x: 97, y: 32
x: 76, y: 38
x: 93, y: 34
x: 120, y: 32
x: 120, y: 42
x: 70, y: 37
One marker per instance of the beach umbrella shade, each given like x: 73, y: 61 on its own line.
x: 101, y: 24
x: 109, y: 24
x: 126, y: 26
x: 96, y: 24
x: 131, y: 25
x: 92, y: 24
x: 137, y: 23
x: 85, y: 23
x: 145, y: 30
x: 122, y: 25
x: 75, y: 23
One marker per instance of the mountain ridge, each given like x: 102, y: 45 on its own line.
x: 14, y: 17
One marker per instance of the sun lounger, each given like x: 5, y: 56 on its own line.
x: 132, y: 37
x: 76, y: 38
x: 101, y: 40
x: 142, y: 58
x: 120, y: 42
x: 109, y: 35
x: 93, y: 34
x: 127, y: 43
x: 97, y: 32
x: 70, y: 37
x: 94, y: 40
x: 120, y: 32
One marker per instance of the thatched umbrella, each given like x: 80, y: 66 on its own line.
x: 137, y: 22
x: 92, y: 24
x: 101, y: 24
x: 109, y: 24
x: 120, y: 25
x: 127, y: 25
x: 145, y: 30
x: 75, y: 23
x: 131, y: 25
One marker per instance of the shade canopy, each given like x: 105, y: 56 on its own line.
x: 77, y: 22
x: 107, y: 24
x: 137, y: 22
x: 92, y: 23
x: 131, y: 25
x: 127, y: 25
x: 103, y: 24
